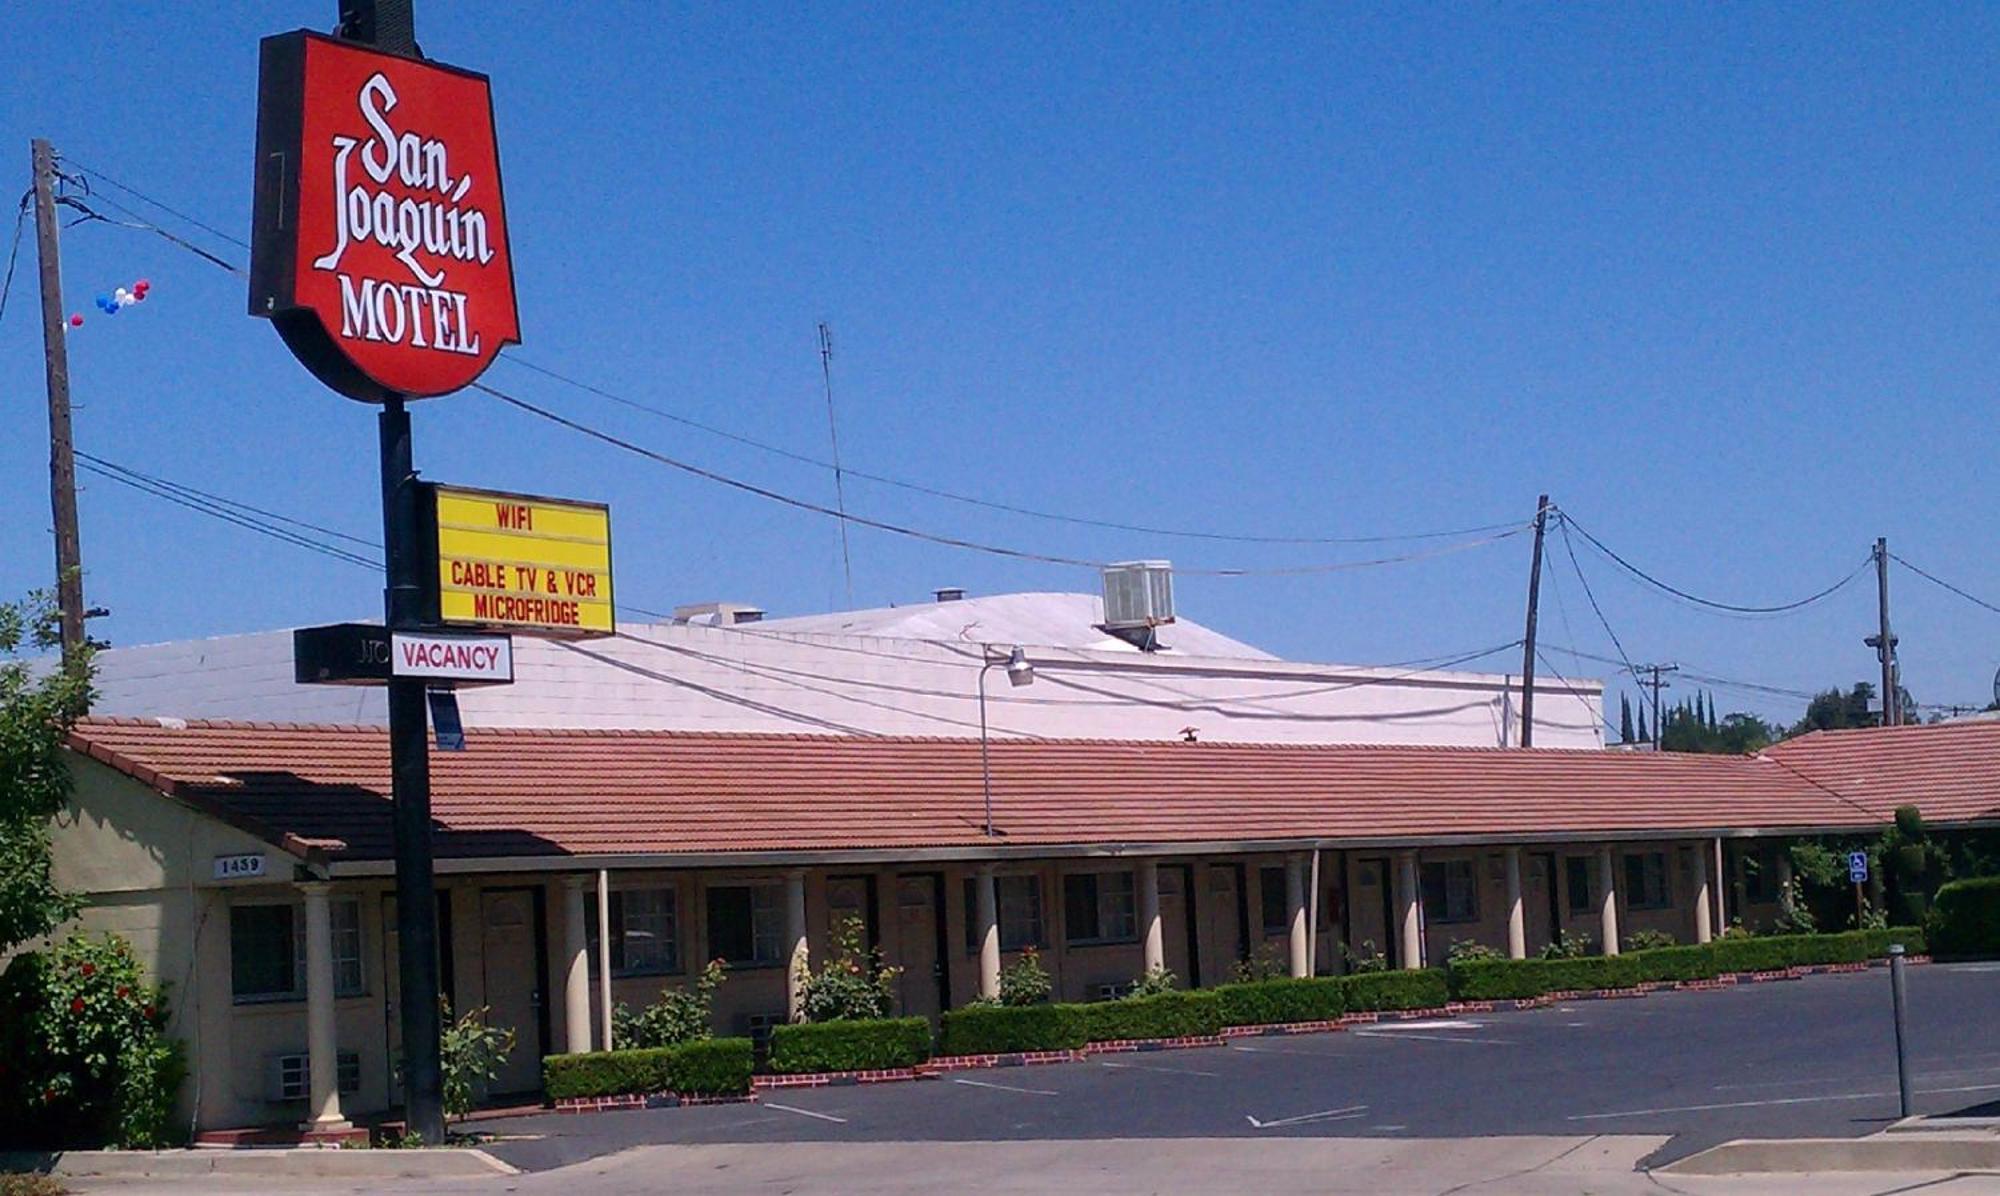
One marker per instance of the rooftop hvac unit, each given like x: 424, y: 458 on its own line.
x: 1138, y: 594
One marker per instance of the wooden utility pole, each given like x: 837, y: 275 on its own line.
x: 1883, y: 642
x: 1528, y: 643
x: 1656, y: 685
x: 55, y: 354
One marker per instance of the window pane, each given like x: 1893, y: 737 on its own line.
x: 730, y: 937
x: 767, y: 915
x: 262, y: 961
x: 1117, y: 906
x: 1020, y: 912
x: 650, y: 932
x: 1080, y: 907
x: 347, y: 976
x: 1577, y: 870
x: 1276, y: 905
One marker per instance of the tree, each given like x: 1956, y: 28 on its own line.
x: 1625, y: 719
x: 38, y: 705
x: 1645, y: 736
x: 1832, y: 710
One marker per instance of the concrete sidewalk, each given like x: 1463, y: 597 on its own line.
x: 1514, y: 1166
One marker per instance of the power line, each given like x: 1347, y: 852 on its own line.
x: 243, y: 521
x: 14, y: 250
x: 1569, y: 547
x: 1935, y: 580
x: 1698, y: 600
x: 227, y: 502
x: 93, y: 174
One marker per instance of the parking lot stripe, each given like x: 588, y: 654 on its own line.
x: 805, y: 1112
x: 1436, y: 1038
x: 1783, y: 1100
x: 1006, y: 1088
x: 1346, y: 1114
x: 1178, y: 1071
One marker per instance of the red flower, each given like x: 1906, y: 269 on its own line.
x: 76, y: 1005
x: 124, y: 990
x: 149, y: 1012
x: 48, y: 1095
x: 89, y: 970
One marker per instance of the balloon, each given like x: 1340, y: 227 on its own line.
x: 76, y: 321
x: 104, y: 302
x: 142, y: 285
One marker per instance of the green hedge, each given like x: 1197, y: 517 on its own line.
x: 710, y: 1067
x: 1519, y: 979
x: 1965, y: 918
x: 1009, y: 1029
x: 1167, y: 1015
x: 713, y: 1066
x: 850, y: 1045
x: 1402, y: 989
x: 1275, y: 1002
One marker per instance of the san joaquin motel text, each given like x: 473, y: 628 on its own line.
x: 250, y: 865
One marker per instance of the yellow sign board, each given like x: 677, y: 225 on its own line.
x: 518, y: 562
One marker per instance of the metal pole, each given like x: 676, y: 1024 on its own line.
x: 1891, y: 715
x: 985, y: 765
x: 55, y: 360
x: 410, y: 786
x: 1528, y: 643
x: 1902, y: 1042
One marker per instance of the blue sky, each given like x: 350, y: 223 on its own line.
x: 1721, y: 281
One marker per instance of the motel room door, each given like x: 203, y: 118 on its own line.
x: 513, y: 959
x: 1226, y: 916
x: 1372, y: 917
x: 392, y: 985
x: 919, y: 945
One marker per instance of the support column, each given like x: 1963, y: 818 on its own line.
x: 798, y: 962
x: 1150, y: 932
x: 1704, y: 917
x: 576, y: 970
x: 1783, y: 860
x: 322, y: 1046
x: 1607, y: 916
x: 987, y: 926
x: 1409, y: 917
x: 1517, y: 919
x: 1721, y: 885
x: 604, y: 956
x: 1295, y: 903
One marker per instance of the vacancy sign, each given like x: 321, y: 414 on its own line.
x: 380, y: 246
x: 470, y: 659
x: 523, y: 563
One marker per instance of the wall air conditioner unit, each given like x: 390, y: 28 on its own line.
x: 290, y: 1076
x: 759, y: 1025
x: 1138, y: 600
x: 1109, y: 992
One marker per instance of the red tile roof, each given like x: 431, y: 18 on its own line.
x: 1951, y: 771
x: 524, y: 793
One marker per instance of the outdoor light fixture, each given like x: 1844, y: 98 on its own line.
x: 1019, y: 673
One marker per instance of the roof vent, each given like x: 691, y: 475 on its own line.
x: 718, y: 614
x: 1138, y: 595
x: 949, y: 593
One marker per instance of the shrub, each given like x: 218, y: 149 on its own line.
x: 853, y: 985
x: 1649, y: 940
x: 608, y: 1073
x: 712, y: 1067
x: 1025, y: 981
x: 1965, y: 919
x: 680, y: 1015
x: 1275, y: 1002
x: 1490, y: 980
x: 1402, y: 989
x: 471, y: 1053
x: 1007, y: 1029
x: 30, y: 1184
x: 1153, y: 983
x: 1161, y: 1015
x: 83, y: 1061
x: 1567, y: 946
x: 1468, y: 950
x: 1266, y: 963
x: 850, y: 1045
x: 1367, y: 959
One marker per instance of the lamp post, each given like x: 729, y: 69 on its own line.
x: 1019, y: 673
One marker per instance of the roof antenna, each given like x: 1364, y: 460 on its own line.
x: 833, y: 432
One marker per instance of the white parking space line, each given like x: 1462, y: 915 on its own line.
x: 1006, y: 1088
x: 806, y: 1112
x: 1176, y: 1071
x: 1783, y: 1100
x: 1347, y: 1114
x: 1437, y: 1038
x: 1440, y: 1024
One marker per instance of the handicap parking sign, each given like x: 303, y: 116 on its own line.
x: 1857, y: 867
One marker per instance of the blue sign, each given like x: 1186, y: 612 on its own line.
x: 1857, y: 867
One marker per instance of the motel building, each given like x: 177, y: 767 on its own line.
x: 250, y: 864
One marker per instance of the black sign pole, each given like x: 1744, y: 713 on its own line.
x: 410, y: 787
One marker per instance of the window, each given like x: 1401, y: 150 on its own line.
x: 1020, y: 899
x: 1451, y: 891
x: 267, y: 951
x: 645, y: 932
x: 746, y: 924
x: 1576, y: 873
x: 1646, y: 881
x: 1760, y: 875
x: 1276, y: 903
x: 1100, y: 907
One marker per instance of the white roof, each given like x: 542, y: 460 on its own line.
x: 1046, y: 620
x: 773, y: 677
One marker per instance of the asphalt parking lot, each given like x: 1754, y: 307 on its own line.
x: 1806, y: 1058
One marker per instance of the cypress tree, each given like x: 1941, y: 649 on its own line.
x: 1644, y: 736
x: 1624, y: 719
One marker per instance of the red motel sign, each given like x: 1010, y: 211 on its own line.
x: 380, y: 244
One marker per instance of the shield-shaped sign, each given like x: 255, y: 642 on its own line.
x: 380, y: 246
